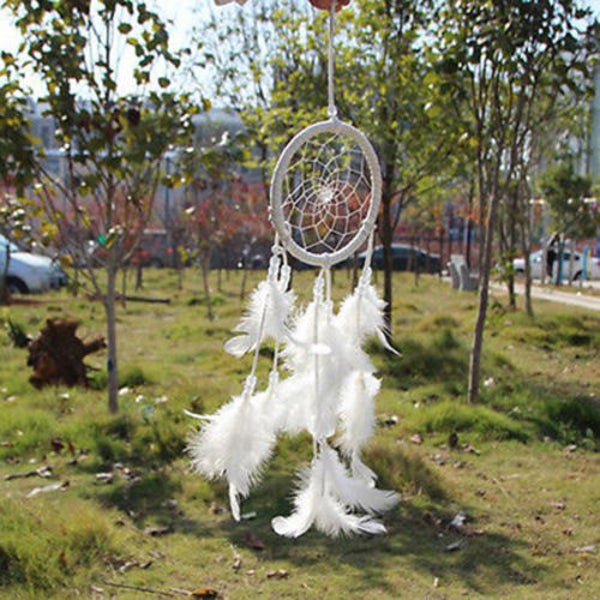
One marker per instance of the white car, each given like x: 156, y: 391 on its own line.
x: 536, y: 258
x: 27, y: 272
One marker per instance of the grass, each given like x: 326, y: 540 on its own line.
x: 524, y: 468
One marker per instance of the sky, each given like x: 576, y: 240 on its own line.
x: 183, y: 13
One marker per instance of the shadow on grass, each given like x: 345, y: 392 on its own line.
x: 419, y: 540
x: 144, y: 499
x: 560, y: 412
x: 440, y: 358
x: 418, y: 536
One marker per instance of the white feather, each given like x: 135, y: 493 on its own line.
x: 235, y: 443
x: 357, y: 410
x: 315, y: 505
x: 319, y: 376
x: 267, y: 313
x: 353, y: 492
x: 361, y: 315
x: 360, y: 470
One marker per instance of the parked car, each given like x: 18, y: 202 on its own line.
x: 536, y: 258
x: 405, y: 258
x: 28, y: 272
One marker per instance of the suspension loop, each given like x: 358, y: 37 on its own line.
x: 331, y: 110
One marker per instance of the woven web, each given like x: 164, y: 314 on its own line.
x: 326, y: 193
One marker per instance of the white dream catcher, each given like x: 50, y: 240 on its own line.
x: 325, y: 196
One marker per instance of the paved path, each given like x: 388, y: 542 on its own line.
x: 572, y: 298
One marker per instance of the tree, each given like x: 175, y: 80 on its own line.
x: 212, y: 208
x: 274, y: 66
x: 17, y: 156
x: 567, y: 195
x: 499, y: 59
x: 112, y: 142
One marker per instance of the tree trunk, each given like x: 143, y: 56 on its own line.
x: 526, y: 249
x: 204, y: 267
x: 111, y: 339
x: 484, y: 280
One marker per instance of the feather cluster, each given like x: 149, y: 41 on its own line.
x: 329, y: 390
x: 328, y: 497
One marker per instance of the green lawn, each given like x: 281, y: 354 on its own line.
x: 127, y: 519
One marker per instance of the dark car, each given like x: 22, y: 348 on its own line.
x: 405, y: 258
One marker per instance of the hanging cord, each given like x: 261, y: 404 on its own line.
x: 365, y: 279
x: 317, y: 299
x: 331, y: 110
x: 365, y: 276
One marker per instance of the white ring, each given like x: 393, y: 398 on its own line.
x: 277, y: 216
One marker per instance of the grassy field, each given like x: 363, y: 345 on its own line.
x: 126, y: 519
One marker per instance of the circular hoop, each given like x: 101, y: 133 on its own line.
x: 286, y: 202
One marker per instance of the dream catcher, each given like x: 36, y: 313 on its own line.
x: 325, y: 196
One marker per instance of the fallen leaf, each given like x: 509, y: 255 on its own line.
x: 279, y: 574
x: 157, y: 531
x: 216, y: 509
x: 205, y: 593
x: 44, y: 472
x: 254, y: 542
x: 55, y: 487
x: 57, y: 445
x: 469, y: 448
x: 568, y: 531
x: 126, y: 566
x: 454, y: 546
x: 458, y: 521
x: 585, y: 549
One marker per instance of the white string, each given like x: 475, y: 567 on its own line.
x: 331, y: 110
